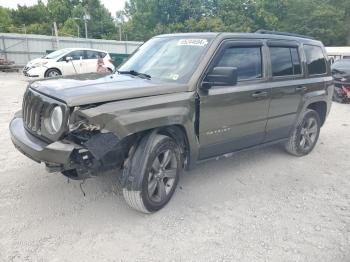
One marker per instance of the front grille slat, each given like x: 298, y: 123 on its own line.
x: 26, y: 111
x: 24, y: 106
x: 37, y: 118
x: 33, y: 112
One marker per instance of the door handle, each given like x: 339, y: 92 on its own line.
x: 259, y: 94
x: 301, y: 88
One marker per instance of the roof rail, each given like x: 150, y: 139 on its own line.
x: 262, y: 31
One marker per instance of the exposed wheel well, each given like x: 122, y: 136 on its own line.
x: 178, y: 133
x: 321, y: 109
x: 52, y: 68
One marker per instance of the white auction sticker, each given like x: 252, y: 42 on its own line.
x: 193, y: 42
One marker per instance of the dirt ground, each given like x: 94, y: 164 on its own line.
x: 263, y: 205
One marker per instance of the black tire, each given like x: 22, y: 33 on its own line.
x: 304, y: 136
x: 52, y: 72
x: 151, y: 173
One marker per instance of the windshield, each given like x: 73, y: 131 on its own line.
x: 170, y: 59
x: 345, y: 63
x: 56, y: 54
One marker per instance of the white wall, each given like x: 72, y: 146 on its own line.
x: 22, y: 48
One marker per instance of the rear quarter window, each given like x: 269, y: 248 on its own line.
x: 102, y: 54
x: 316, y: 62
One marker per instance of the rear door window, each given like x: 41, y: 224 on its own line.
x: 248, y: 61
x: 285, y: 61
x: 91, y: 54
x: 316, y: 62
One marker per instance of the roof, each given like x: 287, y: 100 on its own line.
x: 83, y: 48
x: 224, y: 35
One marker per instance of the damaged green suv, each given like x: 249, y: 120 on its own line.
x: 180, y: 99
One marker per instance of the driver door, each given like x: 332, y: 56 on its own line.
x: 74, y: 66
x: 234, y: 117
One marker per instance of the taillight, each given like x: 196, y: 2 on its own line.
x: 110, y: 60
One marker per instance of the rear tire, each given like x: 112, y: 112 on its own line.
x: 305, y: 134
x: 152, y: 173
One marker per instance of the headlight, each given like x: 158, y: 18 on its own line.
x: 39, y: 64
x: 56, y: 119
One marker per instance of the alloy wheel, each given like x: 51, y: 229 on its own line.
x: 53, y: 74
x: 162, y: 175
x: 308, y: 133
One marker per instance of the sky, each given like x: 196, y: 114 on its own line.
x: 111, y: 5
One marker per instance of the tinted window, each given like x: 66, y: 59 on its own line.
x: 316, y: 63
x: 285, y: 61
x: 91, y: 54
x: 76, y: 54
x: 344, y: 63
x: 247, y: 60
x: 281, y: 61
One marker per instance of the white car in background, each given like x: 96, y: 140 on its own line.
x: 68, y: 61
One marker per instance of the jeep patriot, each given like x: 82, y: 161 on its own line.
x: 178, y: 100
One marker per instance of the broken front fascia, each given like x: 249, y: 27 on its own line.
x: 101, y: 149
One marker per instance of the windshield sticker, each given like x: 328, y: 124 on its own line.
x: 193, y: 42
x: 172, y: 76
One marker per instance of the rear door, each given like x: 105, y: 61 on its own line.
x: 234, y: 117
x: 287, y: 87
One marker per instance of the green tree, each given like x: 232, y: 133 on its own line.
x: 5, y: 20
x: 327, y: 20
x: 30, y: 15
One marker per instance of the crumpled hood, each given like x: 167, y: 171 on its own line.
x: 341, y: 75
x: 96, y: 88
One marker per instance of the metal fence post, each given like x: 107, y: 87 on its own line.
x: 27, y: 46
x: 4, y: 47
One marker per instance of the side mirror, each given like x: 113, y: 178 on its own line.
x: 69, y: 58
x: 221, y: 76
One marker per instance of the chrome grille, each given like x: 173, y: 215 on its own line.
x: 32, y: 108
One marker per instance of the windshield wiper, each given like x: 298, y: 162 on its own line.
x: 135, y: 73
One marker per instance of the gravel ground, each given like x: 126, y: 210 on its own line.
x: 263, y: 205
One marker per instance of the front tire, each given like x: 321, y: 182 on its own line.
x: 151, y: 173
x: 305, y: 135
x: 52, y: 72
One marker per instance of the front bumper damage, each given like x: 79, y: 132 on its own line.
x: 34, y: 71
x: 75, y: 160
